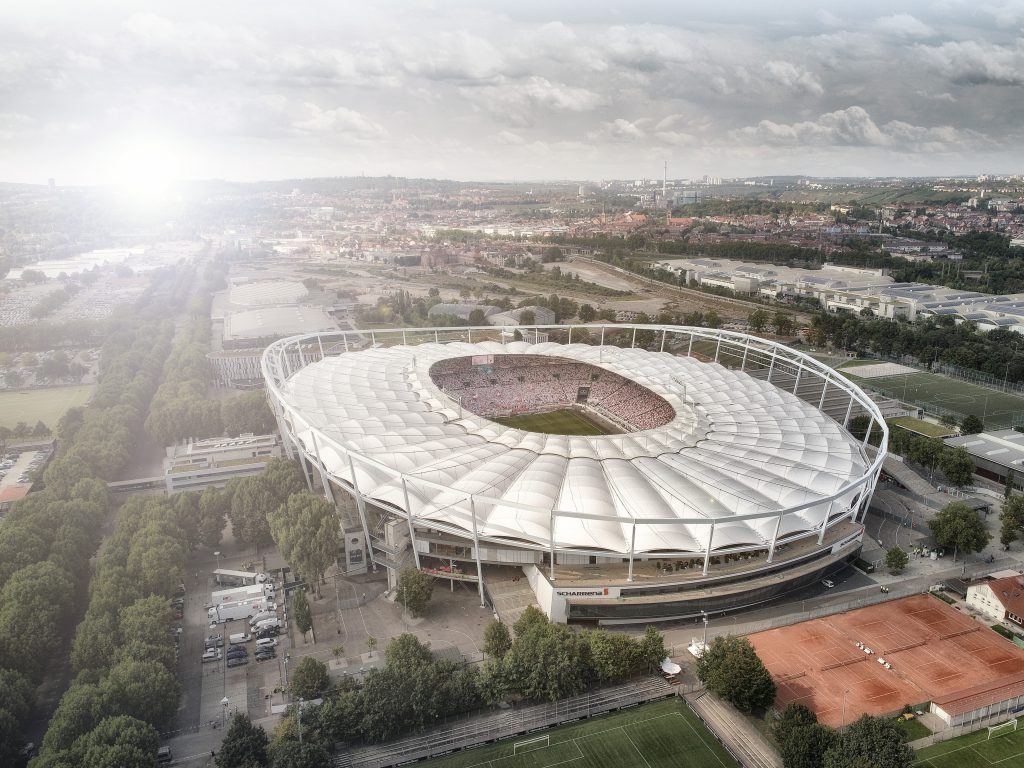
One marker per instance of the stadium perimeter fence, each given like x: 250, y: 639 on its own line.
x: 475, y: 730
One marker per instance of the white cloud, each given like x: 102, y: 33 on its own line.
x: 521, y: 102
x: 509, y: 138
x: 973, y: 63
x: 338, y: 122
x: 793, y: 78
x: 903, y: 25
x: 852, y: 127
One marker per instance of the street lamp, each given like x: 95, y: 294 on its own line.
x: 217, y: 555
x: 704, y: 645
x: 225, y: 703
x: 287, y: 658
x: 844, y: 706
x: 300, y: 721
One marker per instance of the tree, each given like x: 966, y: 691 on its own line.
x: 713, y: 320
x: 244, y: 746
x: 289, y: 753
x: 960, y: 528
x: 1011, y: 520
x: 371, y: 643
x: 415, y: 589
x: 144, y: 689
x: 117, y: 741
x: 531, y: 617
x: 957, y: 466
x: 406, y: 653
x: 783, y: 324
x: 548, y: 661
x: 801, y: 740
x: 214, y: 505
x: 310, y: 678
x: 247, y: 413
x: 896, y: 560
x: 587, y: 313
x: 306, y: 529
x: 497, y: 639
x: 731, y: 668
x: 301, y: 612
x: 477, y: 317
x: 971, y: 425
x: 871, y: 741
x: 757, y: 320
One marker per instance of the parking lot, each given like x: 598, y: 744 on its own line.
x: 18, y: 469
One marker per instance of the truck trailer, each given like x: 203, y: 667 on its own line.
x: 238, y: 594
x: 246, y: 609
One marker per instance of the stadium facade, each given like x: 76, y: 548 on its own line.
x: 726, y: 476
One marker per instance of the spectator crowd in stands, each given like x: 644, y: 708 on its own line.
x: 511, y: 384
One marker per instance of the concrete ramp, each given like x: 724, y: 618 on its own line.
x: 509, y: 591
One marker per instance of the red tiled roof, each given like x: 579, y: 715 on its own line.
x: 1009, y: 592
x: 983, y: 695
x: 13, y: 493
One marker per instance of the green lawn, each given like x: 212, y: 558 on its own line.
x: 45, y: 405
x: 665, y: 734
x: 566, y: 422
x: 914, y: 729
x: 921, y: 427
x: 975, y: 750
x: 995, y: 408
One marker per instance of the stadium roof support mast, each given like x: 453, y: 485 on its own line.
x: 361, y: 506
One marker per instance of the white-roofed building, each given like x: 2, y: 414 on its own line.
x: 706, y: 476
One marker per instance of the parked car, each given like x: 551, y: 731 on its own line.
x: 163, y: 755
x: 268, y: 632
x: 266, y: 656
x: 239, y: 638
x: 211, y: 655
x: 239, y: 661
x: 217, y: 640
x: 266, y: 642
x: 237, y: 653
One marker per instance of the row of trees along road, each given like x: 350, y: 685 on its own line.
x: 414, y: 690
x: 47, y: 538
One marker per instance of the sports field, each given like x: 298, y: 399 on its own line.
x: 45, y: 405
x: 997, y: 409
x: 660, y: 735
x: 565, y: 422
x: 976, y: 750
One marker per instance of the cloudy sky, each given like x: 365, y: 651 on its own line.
x: 107, y: 90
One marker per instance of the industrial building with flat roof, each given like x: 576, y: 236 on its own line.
x: 215, y: 461
x: 849, y: 289
x: 995, y: 454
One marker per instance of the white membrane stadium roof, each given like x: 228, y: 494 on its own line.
x: 737, y: 446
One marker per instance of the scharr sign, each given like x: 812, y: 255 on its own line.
x: 588, y: 592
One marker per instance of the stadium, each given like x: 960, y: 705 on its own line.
x: 629, y: 473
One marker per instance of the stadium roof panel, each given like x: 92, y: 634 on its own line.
x: 736, y: 446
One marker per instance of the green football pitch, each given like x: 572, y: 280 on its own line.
x: 975, y: 750
x: 566, y: 422
x: 997, y: 409
x: 660, y: 735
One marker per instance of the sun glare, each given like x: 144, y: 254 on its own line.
x: 144, y: 170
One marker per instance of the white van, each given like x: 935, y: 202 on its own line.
x: 239, y: 638
x: 274, y: 622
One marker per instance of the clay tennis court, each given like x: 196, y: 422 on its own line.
x: 932, y: 649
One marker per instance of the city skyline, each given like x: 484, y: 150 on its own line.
x: 138, y: 95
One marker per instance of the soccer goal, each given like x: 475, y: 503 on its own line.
x: 540, y: 742
x: 999, y: 730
